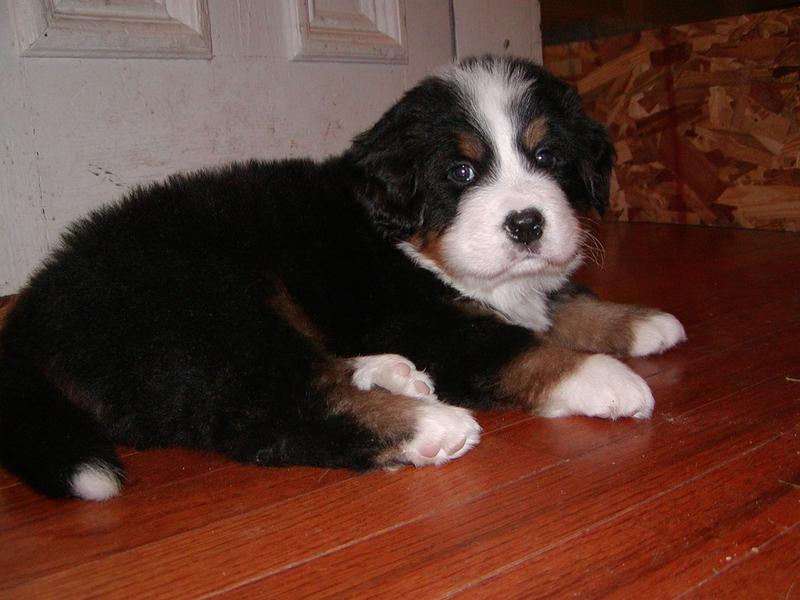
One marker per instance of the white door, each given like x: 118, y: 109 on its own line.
x: 98, y: 96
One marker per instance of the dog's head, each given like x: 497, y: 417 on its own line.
x: 479, y: 172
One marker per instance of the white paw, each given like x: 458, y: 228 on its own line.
x: 392, y: 372
x: 443, y: 432
x: 655, y: 334
x: 602, y: 386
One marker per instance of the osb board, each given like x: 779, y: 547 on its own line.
x: 705, y: 118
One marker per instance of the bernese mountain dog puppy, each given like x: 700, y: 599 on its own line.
x: 344, y: 313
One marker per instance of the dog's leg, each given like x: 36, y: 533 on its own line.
x: 417, y: 431
x: 438, y: 432
x: 553, y: 381
x: 582, y: 322
x: 478, y: 361
x: 363, y: 413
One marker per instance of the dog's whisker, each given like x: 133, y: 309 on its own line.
x: 593, y: 247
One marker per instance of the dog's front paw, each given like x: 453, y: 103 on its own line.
x: 601, y: 386
x: 655, y: 333
x: 442, y: 433
x: 392, y: 372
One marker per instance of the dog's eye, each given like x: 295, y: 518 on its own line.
x: 544, y: 158
x: 462, y: 173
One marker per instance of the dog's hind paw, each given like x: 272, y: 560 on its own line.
x: 439, y: 432
x: 442, y: 433
x: 393, y: 373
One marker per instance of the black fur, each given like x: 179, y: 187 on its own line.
x: 152, y: 325
x: 587, y: 155
x: 403, y: 156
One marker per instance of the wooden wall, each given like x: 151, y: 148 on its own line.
x: 705, y: 118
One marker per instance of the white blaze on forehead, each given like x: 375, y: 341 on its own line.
x: 476, y: 244
x: 493, y: 92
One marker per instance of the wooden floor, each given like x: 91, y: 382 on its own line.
x: 701, y: 501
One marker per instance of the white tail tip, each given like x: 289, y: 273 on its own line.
x: 96, y: 481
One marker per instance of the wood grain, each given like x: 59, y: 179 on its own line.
x: 539, y: 514
x: 656, y: 555
x: 704, y: 118
x: 702, y: 500
x: 261, y: 538
x: 766, y: 571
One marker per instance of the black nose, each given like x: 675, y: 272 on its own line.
x: 525, y: 226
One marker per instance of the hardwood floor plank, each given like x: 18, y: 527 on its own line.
x: 722, y: 328
x: 437, y: 554
x: 769, y: 571
x: 699, y: 285
x: 651, y: 257
x: 672, y: 541
x: 686, y: 387
x: 223, y: 551
x: 492, y: 421
x: 570, y: 437
x: 87, y: 531
x: 678, y: 386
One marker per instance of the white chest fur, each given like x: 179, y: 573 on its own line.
x: 520, y: 301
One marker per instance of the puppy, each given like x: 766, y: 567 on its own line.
x: 344, y: 313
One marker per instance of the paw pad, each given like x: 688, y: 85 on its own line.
x: 442, y: 433
x: 392, y: 372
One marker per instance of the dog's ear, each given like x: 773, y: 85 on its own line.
x: 593, y: 150
x: 387, y: 159
x: 597, y: 159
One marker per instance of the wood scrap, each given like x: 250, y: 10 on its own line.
x: 705, y: 118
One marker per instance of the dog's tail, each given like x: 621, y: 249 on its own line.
x: 55, y: 446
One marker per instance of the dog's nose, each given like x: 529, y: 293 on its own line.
x: 525, y: 226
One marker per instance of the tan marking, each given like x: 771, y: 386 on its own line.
x: 585, y: 323
x: 74, y: 392
x: 429, y: 245
x: 287, y: 307
x: 59, y: 379
x: 473, y: 308
x: 470, y: 146
x: 528, y: 379
x: 534, y: 133
x: 7, y: 304
x: 391, y: 417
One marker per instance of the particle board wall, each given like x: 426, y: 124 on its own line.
x: 705, y: 118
